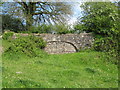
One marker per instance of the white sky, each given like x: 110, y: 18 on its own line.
x: 76, y: 13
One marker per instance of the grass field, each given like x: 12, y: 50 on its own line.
x: 0, y: 64
x: 88, y: 69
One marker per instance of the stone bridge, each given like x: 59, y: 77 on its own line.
x: 66, y: 43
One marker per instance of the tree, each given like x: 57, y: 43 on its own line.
x: 11, y: 23
x: 102, y: 19
x: 47, y: 12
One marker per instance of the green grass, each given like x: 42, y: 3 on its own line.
x: 77, y: 70
x: 0, y: 64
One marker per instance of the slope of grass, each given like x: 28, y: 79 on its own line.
x: 89, y: 69
x: 76, y: 70
x: 0, y: 64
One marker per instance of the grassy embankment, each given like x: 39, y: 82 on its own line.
x: 77, y: 70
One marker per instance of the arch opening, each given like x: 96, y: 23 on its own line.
x: 59, y: 47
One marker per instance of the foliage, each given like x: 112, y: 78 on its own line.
x: 33, y: 13
x: 49, y: 28
x: 102, y: 19
x: 41, y: 29
x: 79, y: 28
x: 62, y: 29
x: 12, y: 23
x: 29, y: 45
x: 7, y: 35
x: 109, y: 45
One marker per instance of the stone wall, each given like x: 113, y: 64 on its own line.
x: 67, y: 43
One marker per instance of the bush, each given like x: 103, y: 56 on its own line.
x: 7, y: 35
x: 79, y: 28
x: 38, y: 41
x: 29, y: 45
x: 109, y: 45
x: 62, y: 29
x: 41, y: 29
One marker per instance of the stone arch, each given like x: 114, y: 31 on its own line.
x: 60, y: 47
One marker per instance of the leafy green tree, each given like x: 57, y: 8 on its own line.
x: 102, y: 19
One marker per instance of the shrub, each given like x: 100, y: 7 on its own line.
x: 38, y: 41
x: 7, y: 35
x: 109, y: 45
x: 29, y: 45
x: 41, y: 29
x: 61, y: 29
x: 79, y: 28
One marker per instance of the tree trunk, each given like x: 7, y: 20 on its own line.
x: 29, y: 22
